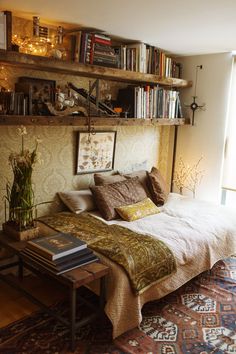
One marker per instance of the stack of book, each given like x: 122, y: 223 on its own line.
x: 58, y: 253
x: 93, y: 48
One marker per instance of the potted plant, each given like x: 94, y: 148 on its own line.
x: 19, y: 198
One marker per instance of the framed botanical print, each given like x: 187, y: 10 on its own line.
x: 95, y: 152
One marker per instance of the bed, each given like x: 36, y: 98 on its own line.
x: 198, y: 233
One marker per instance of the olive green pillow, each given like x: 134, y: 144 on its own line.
x: 138, y: 210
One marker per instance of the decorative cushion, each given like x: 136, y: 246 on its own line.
x: 78, y: 201
x: 138, y: 210
x: 143, y: 179
x: 101, y: 179
x: 110, y: 196
x: 158, y: 187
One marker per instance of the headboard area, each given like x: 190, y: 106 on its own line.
x: 136, y: 148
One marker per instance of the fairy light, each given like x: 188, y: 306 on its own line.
x: 4, y: 78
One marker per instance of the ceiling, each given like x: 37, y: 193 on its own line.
x: 183, y: 27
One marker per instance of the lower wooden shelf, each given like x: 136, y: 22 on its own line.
x: 83, y: 121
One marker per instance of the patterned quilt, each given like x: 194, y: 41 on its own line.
x: 145, y: 259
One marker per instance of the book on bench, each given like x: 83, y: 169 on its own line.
x: 56, y: 246
x: 80, y: 258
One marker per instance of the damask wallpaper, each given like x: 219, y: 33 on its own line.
x: 136, y: 148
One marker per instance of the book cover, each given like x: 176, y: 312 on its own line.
x: 57, y: 246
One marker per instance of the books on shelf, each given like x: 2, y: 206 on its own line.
x: 150, y: 102
x: 5, y: 30
x: 146, y: 59
x: 97, y: 49
x: 56, y: 246
x: 93, y: 48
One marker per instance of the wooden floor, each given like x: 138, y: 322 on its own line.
x: 14, y: 306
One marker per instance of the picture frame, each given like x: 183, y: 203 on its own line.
x: 95, y: 152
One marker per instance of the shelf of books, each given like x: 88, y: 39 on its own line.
x: 83, y: 121
x: 82, y: 69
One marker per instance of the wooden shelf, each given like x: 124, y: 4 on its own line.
x: 66, y: 67
x: 82, y: 121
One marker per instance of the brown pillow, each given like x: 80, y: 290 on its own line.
x: 110, y: 196
x: 143, y: 179
x: 101, y: 179
x: 158, y: 187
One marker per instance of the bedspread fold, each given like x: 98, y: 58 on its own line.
x: 146, y: 260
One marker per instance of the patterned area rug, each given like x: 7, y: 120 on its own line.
x: 198, y: 318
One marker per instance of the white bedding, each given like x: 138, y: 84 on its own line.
x: 198, y: 233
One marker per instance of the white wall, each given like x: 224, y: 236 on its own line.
x: 206, y: 137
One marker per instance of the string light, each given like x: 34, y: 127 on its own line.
x: 3, y: 78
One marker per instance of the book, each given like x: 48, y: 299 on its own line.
x: 55, y: 270
x: 3, y: 31
x: 60, y: 261
x: 56, y: 246
x: 8, y: 15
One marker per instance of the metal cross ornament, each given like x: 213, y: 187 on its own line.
x: 194, y: 105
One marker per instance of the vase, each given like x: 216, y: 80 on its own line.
x: 9, y: 228
x: 21, y: 201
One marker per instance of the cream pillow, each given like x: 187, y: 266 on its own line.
x: 138, y: 210
x: 78, y: 201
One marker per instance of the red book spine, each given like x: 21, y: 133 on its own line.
x: 103, y: 41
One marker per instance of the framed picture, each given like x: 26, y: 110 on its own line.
x: 95, y: 153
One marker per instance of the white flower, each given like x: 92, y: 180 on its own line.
x: 38, y: 140
x: 22, y: 130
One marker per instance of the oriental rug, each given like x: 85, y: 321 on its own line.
x: 198, y: 318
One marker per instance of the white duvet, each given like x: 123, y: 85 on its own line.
x: 198, y: 233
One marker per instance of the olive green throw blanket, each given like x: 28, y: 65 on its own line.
x: 146, y: 260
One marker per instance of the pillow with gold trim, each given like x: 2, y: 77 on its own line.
x: 138, y: 210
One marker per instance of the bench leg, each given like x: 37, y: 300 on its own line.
x: 102, y: 298
x: 73, y: 317
x: 20, y: 268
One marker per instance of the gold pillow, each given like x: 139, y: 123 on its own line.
x: 138, y: 210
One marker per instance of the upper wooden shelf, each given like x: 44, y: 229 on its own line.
x: 67, y: 67
x: 82, y: 121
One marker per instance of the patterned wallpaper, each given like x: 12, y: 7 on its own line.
x: 136, y: 148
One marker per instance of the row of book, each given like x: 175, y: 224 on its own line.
x: 156, y: 102
x: 148, y: 102
x: 97, y: 49
x: 146, y: 59
x: 58, y: 253
x: 16, y: 103
x: 93, y: 48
